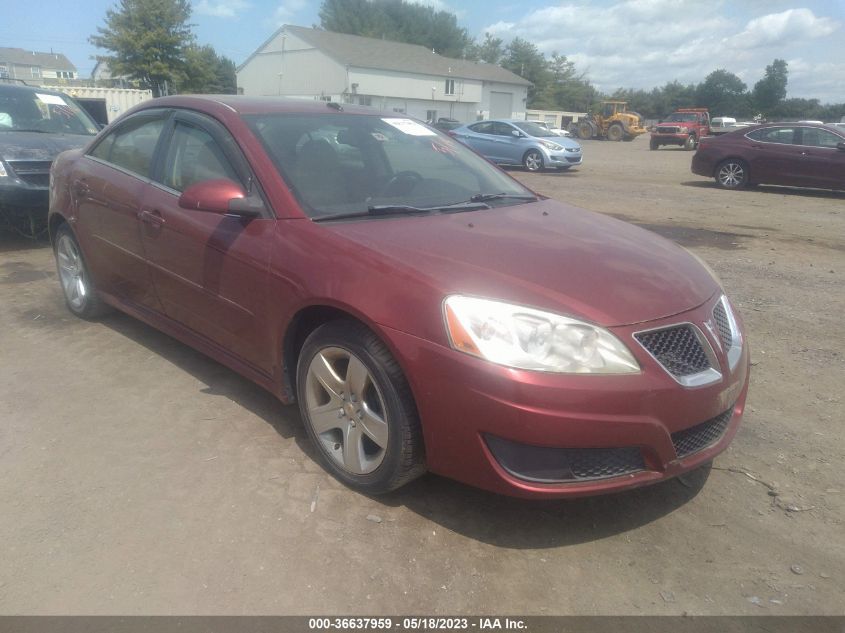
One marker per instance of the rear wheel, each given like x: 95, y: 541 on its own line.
x: 533, y: 160
x: 77, y: 286
x: 358, y: 409
x: 732, y: 174
x: 653, y: 144
x: 615, y: 132
x: 691, y: 142
x: 585, y: 131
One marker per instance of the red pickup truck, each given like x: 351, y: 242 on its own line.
x: 683, y: 127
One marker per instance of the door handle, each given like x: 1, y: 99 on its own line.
x: 80, y: 189
x: 151, y: 217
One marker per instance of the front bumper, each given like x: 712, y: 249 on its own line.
x: 464, y: 401
x: 669, y: 139
x: 15, y: 193
x: 562, y: 158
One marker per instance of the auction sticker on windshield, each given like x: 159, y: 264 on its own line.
x: 51, y: 99
x: 409, y: 127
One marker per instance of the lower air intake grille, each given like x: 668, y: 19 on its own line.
x: 702, y: 435
x: 677, y: 348
x: 550, y: 465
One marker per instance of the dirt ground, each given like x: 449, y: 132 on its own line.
x: 139, y: 477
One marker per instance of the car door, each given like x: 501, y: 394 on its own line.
x: 210, y: 270
x: 822, y: 163
x: 772, y: 157
x: 508, y: 147
x: 479, y: 137
x: 108, y: 189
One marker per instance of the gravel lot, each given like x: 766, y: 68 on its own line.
x: 139, y: 477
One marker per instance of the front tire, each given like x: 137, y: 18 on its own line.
x: 732, y: 174
x: 653, y: 145
x: 358, y: 409
x: 690, y: 143
x: 533, y: 160
x: 77, y: 286
x: 615, y: 132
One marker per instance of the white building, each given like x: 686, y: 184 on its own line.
x: 312, y: 63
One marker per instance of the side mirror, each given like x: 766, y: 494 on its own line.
x: 516, y: 133
x: 841, y: 146
x: 220, y: 196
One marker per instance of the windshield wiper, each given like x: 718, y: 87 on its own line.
x: 483, y: 197
x: 20, y: 129
x: 402, y: 209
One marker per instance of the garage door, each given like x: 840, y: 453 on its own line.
x: 501, y: 105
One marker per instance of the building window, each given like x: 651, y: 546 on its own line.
x: 64, y: 74
x: 35, y: 71
x: 399, y: 110
x: 365, y: 101
x: 325, y: 98
x: 450, y: 87
x: 4, y: 71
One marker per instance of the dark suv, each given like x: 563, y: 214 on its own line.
x: 36, y: 125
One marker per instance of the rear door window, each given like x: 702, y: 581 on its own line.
x: 132, y: 145
x: 780, y: 135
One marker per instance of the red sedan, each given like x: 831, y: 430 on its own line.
x: 793, y: 154
x: 424, y: 309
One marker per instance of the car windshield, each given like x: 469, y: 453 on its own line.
x: 339, y: 164
x: 33, y: 111
x: 533, y: 129
x: 684, y: 117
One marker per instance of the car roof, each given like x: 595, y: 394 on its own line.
x: 264, y: 105
x: 26, y: 88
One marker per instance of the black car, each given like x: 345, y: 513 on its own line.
x: 36, y: 125
x: 445, y: 124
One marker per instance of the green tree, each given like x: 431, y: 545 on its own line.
x: 490, y: 51
x: 723, y: 93
x: 771, y: 89
x: 524, y: 59
x: 147, y: 41
x: 206, y: 72
x: 566, y: 89
x: 397, y: 20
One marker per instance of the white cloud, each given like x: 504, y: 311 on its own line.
x: 646, y: 43
x: 286, y: 10
x: 778, y: 29
x: 221, y: 8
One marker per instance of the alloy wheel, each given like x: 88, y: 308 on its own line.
x: 533, y: 161
x: 731, y: 175
x: 72, y: 273
x: 346, y: 410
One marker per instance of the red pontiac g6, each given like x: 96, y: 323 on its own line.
x: 425, y: 310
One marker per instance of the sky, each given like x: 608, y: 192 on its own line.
x: 617, y: 43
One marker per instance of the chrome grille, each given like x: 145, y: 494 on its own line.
x: 677, y: 348
x: 723, y: 324
x: 662, y: 129
x: 702, y: 435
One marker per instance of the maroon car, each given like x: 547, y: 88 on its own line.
x: 793, y: 154
x: 425, y: 310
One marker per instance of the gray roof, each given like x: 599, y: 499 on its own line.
x: 367, y: 52
x: 53, y: 61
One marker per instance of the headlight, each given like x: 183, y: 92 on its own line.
x: 551, y: 146
x: 525, y: 338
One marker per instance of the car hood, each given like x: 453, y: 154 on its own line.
x: 563, y: 141
x: 546, y: 255
x: 38, y: 145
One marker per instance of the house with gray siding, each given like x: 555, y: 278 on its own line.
x: 309, y: 63
x: 33, y: 67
